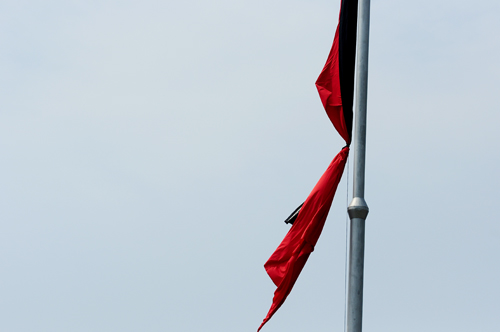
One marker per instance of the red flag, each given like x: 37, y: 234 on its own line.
x: 286, y: 263
x: 336, y: 88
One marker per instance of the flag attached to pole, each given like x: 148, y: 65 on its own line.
x: 335, y: 85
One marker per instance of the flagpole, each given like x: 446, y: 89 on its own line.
x: 358, y: 209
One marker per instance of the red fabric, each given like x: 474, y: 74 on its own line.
x: 328, y: 85
x: 286, y: 263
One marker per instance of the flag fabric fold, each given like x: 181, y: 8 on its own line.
x: 335, y: 86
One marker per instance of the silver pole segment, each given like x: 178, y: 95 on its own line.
x: 358, y: 209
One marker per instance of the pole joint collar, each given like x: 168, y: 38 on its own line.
x: 358, y: 208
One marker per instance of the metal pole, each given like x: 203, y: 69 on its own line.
x: 358, y: 209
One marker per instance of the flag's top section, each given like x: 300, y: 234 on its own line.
x: 336, y: 82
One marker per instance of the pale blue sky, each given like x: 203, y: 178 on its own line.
x: 150, y: 151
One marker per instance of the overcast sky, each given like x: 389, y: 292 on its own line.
x: 150, y: 151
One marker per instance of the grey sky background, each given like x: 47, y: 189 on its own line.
x: 150, y: 151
